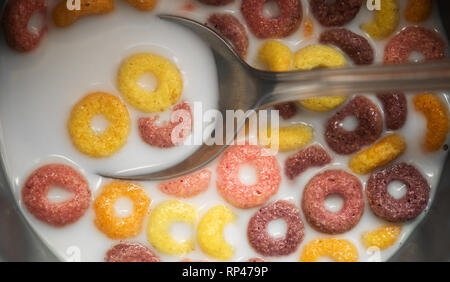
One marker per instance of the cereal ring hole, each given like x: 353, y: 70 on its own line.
x: 148, y: 82
x: 181, y: 231
x: 57, y: 194
x: 271, y: 9
x: 333, y: 202
x: 36, y: 22
x: 123, y: 207
x: 277, y: 228
x: 350, y: 123
x: 397, y: 189
x: 248, y: 174
x: 99, y: 123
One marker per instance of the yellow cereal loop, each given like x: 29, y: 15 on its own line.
x: 63, y: 17
x: 436, y: 113
x: 314, y: 56
x: 339, y: 250
x: 169, y: 87
x: 210, y: 233
x: 382, y: 237
x: 276, y: 55
x: 385, y: 21
x: 289, y: 137
x: 161, y: 219
x: 418, y: 10
x: 383, y: 152
x: 99, y: 144
x: 106, y: 219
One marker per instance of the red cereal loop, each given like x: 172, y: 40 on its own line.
x: 130, y: 252
x: 230, y: 186
x: 39, y: 183
x: 286, y: 110
x: 15, y: 19
x: 162, y: 136
x: 187, y: 186
x: 291, y: 14
x: 312, y: 156
x: 335, y: 13
x: 395, y: 109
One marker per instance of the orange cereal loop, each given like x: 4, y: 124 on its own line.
x: 106, y: 219
x: 418, y: 10
x: 308, y: 28
x: 187, y: 186
x: 339, y: 250
x: 383, y: 237
x: 63, y: 17
x: 436, y: 113
x: 143, y: 5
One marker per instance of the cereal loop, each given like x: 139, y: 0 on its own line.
x: 210, y: 233
x: 314, y: 56
x: 286, y: 110
x: 230, y: 27
x: 39, y: 183
x: 169, y: 87
x: 229, y: 184
x: 161, y: 219
x: 436, y: 113
x: 285, y: 24
x: 63, y: 17
x: 383, y: 237
x: 143, y: 5
x: 336, y: 13
x: 15, y: 20
x: 395, y: 109
x: 339, y: 250
x: 93, y: 143
x: 386, y: 150
x: 263, y: 242
x: 312, y: 156
x: 130, y: 252
x: 418, y: 10
x: 289, y: 137
x: 106, y: 218
x: 385, y: 21
x: 276, y: 55
x: 187, y: 186
x: 216, y: 2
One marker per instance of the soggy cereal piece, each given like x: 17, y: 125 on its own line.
x: 15, y: 20
x: 232, y: 29
x: 161, y: 219
x: 276, y: 55
x: 312, y: 156
x: 354, y: 45
x: 370, y: 126
x: 210, y: 233
x: 216, y: 2
x: 263, y: 242
x: 168, y: 134
x: 385, y: 21
x: 143, y: 5
x: 339, y: 250
x: 418, y: 10
x: 395, y: 109
x: 286, y: 110
x: 413, y: 38
x: 386, y: 150
x: 170, y: 83
x: 436, y: 113
x: 290, y: 18
x: 314, y: 56
x: 229, y: 184
x: 38, y: 184
x: 289, y: 137
x: 406, y: 208
x: 63, y: 17
x: 335, y: 13
x: 187, y: 186
x: 106, y: 218
x: 383, y: 237
x: 330, y: 182
x: 91, y: 142
x: 130, y: 252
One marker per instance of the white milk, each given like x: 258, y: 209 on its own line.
x: 39, y: 89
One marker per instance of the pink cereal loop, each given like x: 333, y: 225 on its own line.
x: 187, y: 186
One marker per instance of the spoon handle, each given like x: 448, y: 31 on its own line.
x: 289, y: 86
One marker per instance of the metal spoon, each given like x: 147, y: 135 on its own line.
x: 242, y: 87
